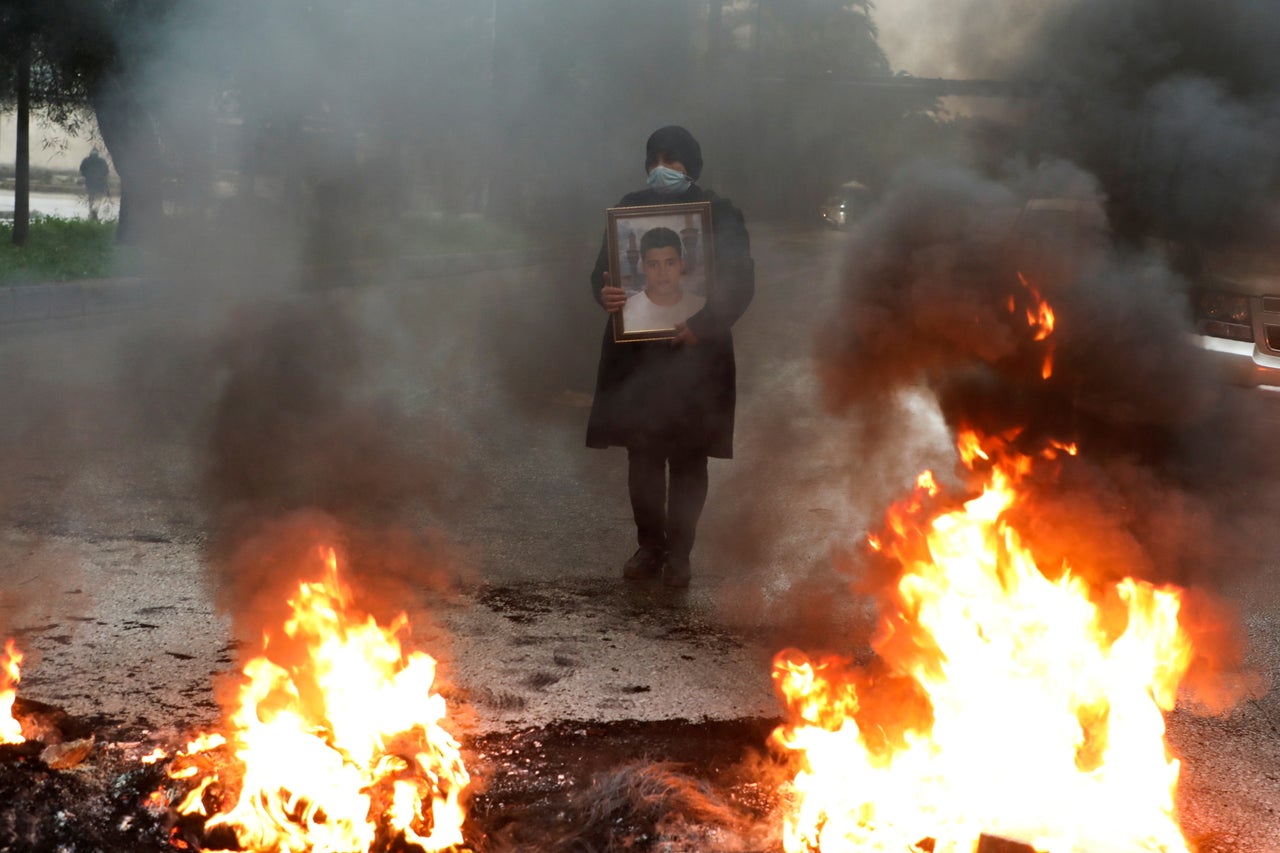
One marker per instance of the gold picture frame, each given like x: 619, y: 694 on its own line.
x: 656, y: 301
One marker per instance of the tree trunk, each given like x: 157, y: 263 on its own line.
x: 22, y: 156
x: 131, y: 138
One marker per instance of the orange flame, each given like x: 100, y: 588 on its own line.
x: 10, y: 675
x: 1040, y: 318
x: 1041, y: 699
x: 343, y: 750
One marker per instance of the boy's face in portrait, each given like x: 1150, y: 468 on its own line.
x: 663, y: 268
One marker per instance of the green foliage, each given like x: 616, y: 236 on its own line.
x: 58, y: 250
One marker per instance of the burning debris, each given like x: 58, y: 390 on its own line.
x: 34, y: 729
x: 570, y: 787
x: 10, y: 675
x: 991, y: 669
x: 1037, y: 616
x: 49, y: 791
x: 338, y: 742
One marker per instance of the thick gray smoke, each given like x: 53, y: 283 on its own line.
x: 933, y: 298
x: 298, y: 373
x: 1166, y: 114
x: 351, y: 134
x: 304, y: 446
x: 1173, y: 105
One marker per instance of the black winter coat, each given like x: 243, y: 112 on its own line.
x: 653, y: 395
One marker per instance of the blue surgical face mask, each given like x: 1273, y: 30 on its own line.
x: 668, y: 181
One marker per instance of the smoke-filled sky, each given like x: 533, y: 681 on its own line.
x: 923, y: 38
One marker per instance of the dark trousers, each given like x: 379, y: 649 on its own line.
x: 666, y: 515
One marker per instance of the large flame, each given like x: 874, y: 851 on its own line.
x: 1020, y: 702
x: 342, y: 750
x: 10, y: 675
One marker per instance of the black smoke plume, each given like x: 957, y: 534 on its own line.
x: 1163, y: 115
x: 1172, y: 105
x: 305, y: 451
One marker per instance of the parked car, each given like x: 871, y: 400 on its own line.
x: 844, y: 206
x: 1236, y: 310
x: 1235, y: 297
x: 1075, y: 218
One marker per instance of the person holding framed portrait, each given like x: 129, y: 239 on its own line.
x: 666, y: 380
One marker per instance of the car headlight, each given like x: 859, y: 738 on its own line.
x: 1224, y: 315
x: 1228, y: 307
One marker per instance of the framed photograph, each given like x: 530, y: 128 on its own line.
x: 663, y: 256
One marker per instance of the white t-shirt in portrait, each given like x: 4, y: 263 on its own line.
x: 642, y: 314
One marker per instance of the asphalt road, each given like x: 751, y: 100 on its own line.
x: 104, y: 545
x: 106, y: 518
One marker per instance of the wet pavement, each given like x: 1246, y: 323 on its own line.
x: 109, y: 596
x: 107, y: 590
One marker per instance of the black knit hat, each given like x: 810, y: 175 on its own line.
x: 678, y: 144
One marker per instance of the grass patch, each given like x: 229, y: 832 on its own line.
x: 58, y: 250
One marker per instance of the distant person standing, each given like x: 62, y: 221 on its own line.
x: 95, y: 171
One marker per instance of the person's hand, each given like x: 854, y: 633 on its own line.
x: 684, y: 336
x: 612, y: 297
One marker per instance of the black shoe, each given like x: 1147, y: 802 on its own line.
x: 677, y: 572
x: 644, y: 563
